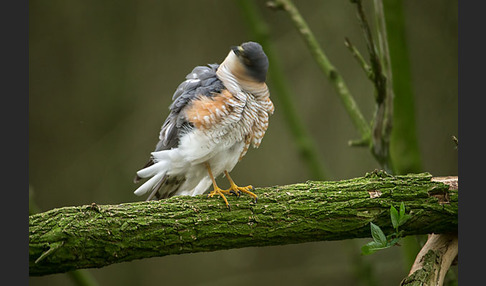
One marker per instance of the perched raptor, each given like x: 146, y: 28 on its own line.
x: 216, y: 114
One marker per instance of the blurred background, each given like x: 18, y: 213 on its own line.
x: 101, y: 78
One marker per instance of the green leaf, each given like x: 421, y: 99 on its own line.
x: 368, y: 248
x: 404, y: 219
x: 402, y: 209
x: 372, y: 247
x: 378, y: 235
x: 402, y: 216
x: 395, y: 218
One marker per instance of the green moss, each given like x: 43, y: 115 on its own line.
x: 96, y: 236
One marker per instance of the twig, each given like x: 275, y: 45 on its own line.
x: 403, y: 142
x: 379, y: 58
x: 456, y: 141
x: 378, y: 136
x: 52, y: 249
x: 382, y: 35
x: 379, y: 79
x: 325, y: 65
x: 387, y: 125
x: 305, y: 144
x: 389, y: 16
x: 361, y: 61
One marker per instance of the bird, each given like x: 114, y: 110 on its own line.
x: 216, y: 113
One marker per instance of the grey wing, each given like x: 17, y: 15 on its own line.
x: 202, y: 80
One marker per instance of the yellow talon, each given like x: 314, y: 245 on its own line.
x: 234, y: 189
x: 217, y: 190
x: 238, y: 190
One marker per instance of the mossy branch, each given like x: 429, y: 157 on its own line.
x: 437, y: 255
x: 80, y: 277
x: 93, y: 235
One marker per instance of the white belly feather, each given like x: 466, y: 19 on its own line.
x: 188, y: 160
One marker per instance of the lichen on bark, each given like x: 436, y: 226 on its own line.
x: 99, y: 235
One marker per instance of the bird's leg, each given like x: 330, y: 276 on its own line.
x: 217, y: 190
x: 238, y: 190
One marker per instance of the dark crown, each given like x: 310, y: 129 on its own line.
x: 254, y: 59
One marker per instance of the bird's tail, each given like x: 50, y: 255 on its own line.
x: 160, y: 185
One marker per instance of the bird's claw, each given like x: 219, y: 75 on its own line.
x: 234, y: 190
x: 218, y: 191
x: 237, y: 193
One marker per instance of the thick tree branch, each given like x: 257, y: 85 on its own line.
x: 433, y: 261
x: 437, y: 255
x: 98, y: 235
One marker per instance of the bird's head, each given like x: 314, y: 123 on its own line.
x: 253, y: 59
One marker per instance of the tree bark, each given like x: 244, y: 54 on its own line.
x: 94, y: 236
x: 433, y: 261
x: 437, y: 255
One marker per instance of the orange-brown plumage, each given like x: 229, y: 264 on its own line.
x: 217, y: 113
x: 204, y: 111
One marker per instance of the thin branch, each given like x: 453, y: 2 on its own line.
x: 382, y: 35
x: 361, y: 61
x: 456, y: 141
x: 380, y: 65
x: 387, y: 125
x: 403, y: 142
x: 279, y: 88
x: 379, y: 79
x: 99, y: 235
x: 433, y: 261
x: 325, y: 65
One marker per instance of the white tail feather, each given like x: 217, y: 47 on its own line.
x: 148, y: 185
x: 162, y: 155
x: 159, y: 167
